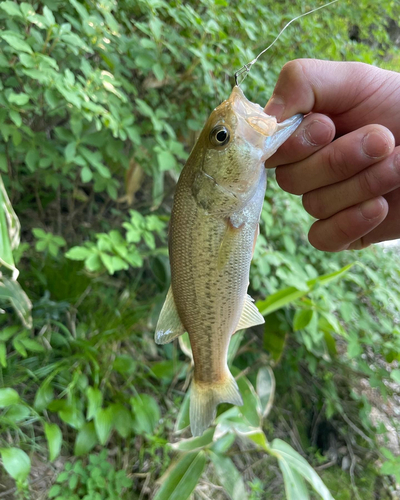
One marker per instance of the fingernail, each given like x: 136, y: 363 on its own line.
x: 275, y: 107
x: 371, y: 209
x: 375, y: 144
x: 317, y: 133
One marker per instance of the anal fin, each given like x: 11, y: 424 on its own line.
x: 250, y: 316
x: 169, y: 325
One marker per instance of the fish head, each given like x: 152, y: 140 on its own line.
x: 233, y: 146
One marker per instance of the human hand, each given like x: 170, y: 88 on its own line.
x: 352, y: 185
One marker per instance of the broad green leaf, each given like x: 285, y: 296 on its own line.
x: 293, y: 460
x: 44, y: 396
x: 8, y: 397
x: 12, y: 292
x: 103, y: 422
x: 265, y: 388
x: 290, y: 294
x: 146, y: 414
x: 18, y: 99
x: 16, y: 43
x: 17, y: 412
x: 78, y: 253
x: 302, y: 318
x: 295, y: 486
x: 251, y: 408
x: 122, y: 419
x: 95, y: 400
x: 54, y: 439
x: 72, y: 416
x: 395, y: 375
x: 183, y: 419
x: 274, y: 338
x: 11, y: 8
x: 195, y: 443
x: 3, y: 354
x: 181, y: 478
x: 279, y: 299
x: 16, y: 462
x: 166, y: 160
x: 229, y: 477
x: 85, y: 440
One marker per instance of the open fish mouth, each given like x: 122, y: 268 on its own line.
x: 252, y: 113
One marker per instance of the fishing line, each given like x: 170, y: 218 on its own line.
x: 245, y: 69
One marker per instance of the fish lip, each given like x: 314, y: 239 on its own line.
x: 252, y: 113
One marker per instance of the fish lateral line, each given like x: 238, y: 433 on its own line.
x: 245, y: 69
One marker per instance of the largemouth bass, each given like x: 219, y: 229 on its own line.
x: 213, y: 230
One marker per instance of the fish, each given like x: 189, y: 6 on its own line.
x: 212, y: 234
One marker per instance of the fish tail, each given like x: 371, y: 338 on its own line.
x: 205, y: 398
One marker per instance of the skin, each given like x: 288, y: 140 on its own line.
x: 345, y: 157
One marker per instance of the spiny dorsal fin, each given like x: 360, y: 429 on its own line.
x: 169, y: 325
x: 251, y: 316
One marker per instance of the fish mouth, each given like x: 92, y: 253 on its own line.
x: 252, y: 113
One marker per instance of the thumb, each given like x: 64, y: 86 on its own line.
x: 327, y: 87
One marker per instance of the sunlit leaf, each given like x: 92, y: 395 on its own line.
x: 265, y: 388
x: 229, y: 477
x: 54, y: 439
x: 182, y: 477
x: 16, y: 462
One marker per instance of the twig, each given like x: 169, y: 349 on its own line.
x: 146, y: 483
x: 356, y: 429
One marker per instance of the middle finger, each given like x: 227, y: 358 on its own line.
x: 337, y: 161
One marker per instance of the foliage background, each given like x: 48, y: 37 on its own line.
x: 100, y: 103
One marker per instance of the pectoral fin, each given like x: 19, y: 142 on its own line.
x: 169, y: 325
x: 251, y: 316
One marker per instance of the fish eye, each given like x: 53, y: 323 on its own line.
x: 219, y: 135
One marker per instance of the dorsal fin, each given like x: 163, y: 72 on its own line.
x: 169, y: 325
x: 250, y: 316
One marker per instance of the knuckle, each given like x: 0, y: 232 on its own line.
x: 371, y: 182
x: 342, y: 232
x: 314, y: 204
x: 285, y: 180
x: 337, y: 163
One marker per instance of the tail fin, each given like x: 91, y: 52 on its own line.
x: 205, y: 398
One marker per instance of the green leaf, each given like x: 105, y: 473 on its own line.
x: 12, y: 292
x: 8, y: 397
x: 103, y: 422
x: 183, y: 419
x: 11, y: 8
x: 395, y: 375
x: 78, y: 253
x: 122, y: 419
x: 86, y: 174
x: 3, y: 354
x: 290, y: 459
x: 265, y: 388
x: 54, y: 439
x: 43, y: 397
x: 251, y: 408
x: 166, y: 161
x: 95, y: 400
x: 48, y: 15
x: 16, y: 118
x: 16, y: 462
x: 85, y: 440
x: 146, y: 414
x: 229, y: 477
x: 182, y: 477
x: 290, y: 294
x: 302, y: 318
x: 295, y: 486
x: 16, y: 413
x: 16, y: 43
x: 195, y: 443
x: 274, y: 338
x: 18, y: 99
